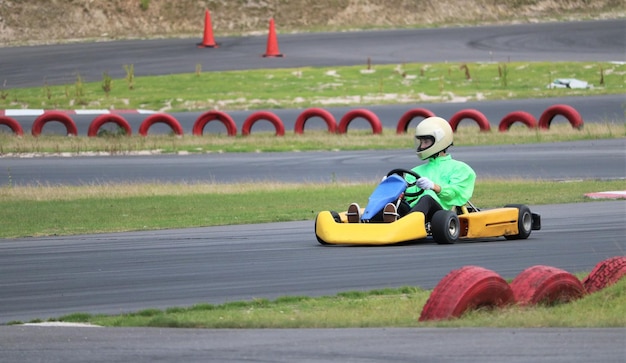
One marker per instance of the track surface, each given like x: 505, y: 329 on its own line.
x: 602, y: 159
x: 122, y: 345
x: 122, y: 272
x: 45, y: 277
x: 582, y: 41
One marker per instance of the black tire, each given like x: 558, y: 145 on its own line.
x: 336, y: 216
x: 319, y: 240
x: 337, y: 219
x: 445, y: 227
x: 524, y: 222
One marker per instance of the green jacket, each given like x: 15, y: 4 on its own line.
x: 455, y: 178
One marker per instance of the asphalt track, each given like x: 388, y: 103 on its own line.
x: 54, y: 64
x: 42, y: 277
x: 594, y: 159
x: 121, y: 345
x: 122, y: 272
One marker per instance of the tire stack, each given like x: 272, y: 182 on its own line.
x: 472, y: 287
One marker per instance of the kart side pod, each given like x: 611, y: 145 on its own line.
x: 514, y: 221
x: 489, y: 223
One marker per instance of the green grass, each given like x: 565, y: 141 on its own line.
x: 325, y: 86
x: 66, y: 210
x: 377, y: 308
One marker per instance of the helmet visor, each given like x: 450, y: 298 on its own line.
x: 424, y: 142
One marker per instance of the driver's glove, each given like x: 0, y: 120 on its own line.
x: 425, y: 183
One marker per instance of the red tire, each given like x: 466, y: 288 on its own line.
x: 13, y: 125
x: 568, y: 112
x: 103, y: 119
x: 407, y: 117
x: 205, y: 118
x: 160, y: 118
x: 331, y: 123
x: 263, y: 115
x: 61, y: 117
x: 467, y: 288
x: 475, y: 115
x: 546, y: 285
x: 605, y: 274
x: 517, y: 116
x: 370, y: 116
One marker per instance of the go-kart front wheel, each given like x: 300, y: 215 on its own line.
x: 445, y: 227
x: 336, y: 218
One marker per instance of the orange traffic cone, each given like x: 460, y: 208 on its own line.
x: 208, y: 41
x: 272, y: 43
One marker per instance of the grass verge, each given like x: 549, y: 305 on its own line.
x: 324, y: 86
x: 66, y: 210
x: 377, y: 308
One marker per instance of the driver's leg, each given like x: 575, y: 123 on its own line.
x: 403, y: 208
x: 427, y: 205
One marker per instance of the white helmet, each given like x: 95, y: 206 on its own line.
x: 436, y: 129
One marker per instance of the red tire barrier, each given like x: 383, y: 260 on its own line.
x: 475, y: 115
x: 605, y: 273
x: 407, y: 117
x: 13, y: 125
x: 464, y: 289
x: 103, y: 119
x: 568, y: 112
x: 160, y: 118
x: 315, y: 112
x: 370, y: 116
x: 546, y: 285
x: 517, y: 116
x: 205, y: 118
x: 263, y: 115
x: 46, y: 117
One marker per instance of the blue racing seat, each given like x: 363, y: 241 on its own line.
x: 388, y: 191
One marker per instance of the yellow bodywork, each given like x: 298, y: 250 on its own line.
x: 409, y: 228
x: 489, y: 223
x: 479, y: 224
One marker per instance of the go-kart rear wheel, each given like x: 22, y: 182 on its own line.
x: 445, y: 227
x: 524, y: 221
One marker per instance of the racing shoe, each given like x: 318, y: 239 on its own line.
x: 390, y: 213
x: 354, y: 213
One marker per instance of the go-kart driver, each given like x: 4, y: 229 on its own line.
x: 446, y: 183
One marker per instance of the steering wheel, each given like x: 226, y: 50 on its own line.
x: 402, y: 172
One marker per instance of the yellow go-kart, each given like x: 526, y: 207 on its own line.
x: 513, y: 221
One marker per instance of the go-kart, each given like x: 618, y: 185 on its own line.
x: 513, y: 221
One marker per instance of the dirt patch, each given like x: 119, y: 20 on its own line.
x: 51, y: 21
